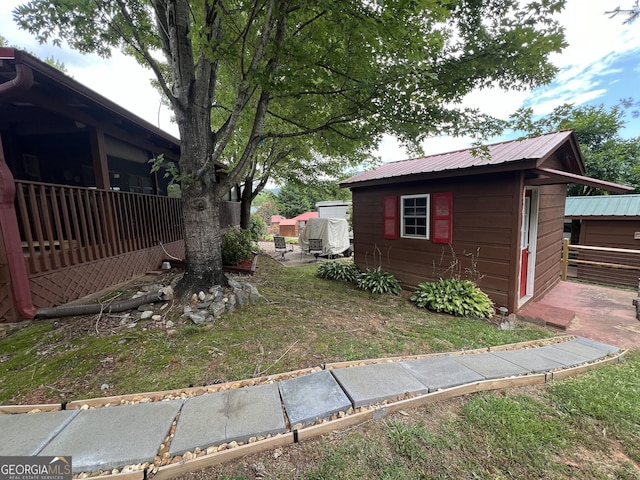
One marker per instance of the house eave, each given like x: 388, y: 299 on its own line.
x: 525, y: 164
x: 550, y: 176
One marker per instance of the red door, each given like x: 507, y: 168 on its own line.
x: 524, y: 242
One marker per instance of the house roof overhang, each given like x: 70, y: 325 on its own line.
x: 31, y: 85
x: 527, y: 155
x: 550, y: 176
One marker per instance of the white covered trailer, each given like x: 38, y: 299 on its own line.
x: 334, y: 233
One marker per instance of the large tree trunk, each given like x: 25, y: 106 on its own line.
x: 201, y: 209
x: 203, y: 241
x: 245, y: 205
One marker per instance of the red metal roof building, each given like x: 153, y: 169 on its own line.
x: 494, y: 214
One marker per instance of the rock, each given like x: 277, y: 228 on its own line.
x: 201, y: 296
x: 104, y: 386
x: 146, y: 314
x: 198, y: 318
x: 154, y: 287
x: 217, y: 309
x: 203, y: 305
x: 254, y: 295
x: 156, y: 318
x: 242, y: 298
x: 230, y: 304
x: 234, y: 284
x: 145, y: 307
x: 169, y: 324
x: 167, y: 293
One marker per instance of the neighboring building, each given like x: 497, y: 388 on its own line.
x: 494, y: 213
x: 288, y: 228
x: 293, y: 226
x: 302, y: 219
x: 611, y: 221
x: 333, y: 209
x: 80, y: 209
x: 274, y: 224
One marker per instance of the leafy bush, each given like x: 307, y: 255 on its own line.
x: 257, y: 228
x: 378, y: 281
x: 344, y: 271
x: 236, y: 246
x: 454, y: 296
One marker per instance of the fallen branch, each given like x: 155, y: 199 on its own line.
x: 280, y: 358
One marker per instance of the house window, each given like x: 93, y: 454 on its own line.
x: 415, y: 216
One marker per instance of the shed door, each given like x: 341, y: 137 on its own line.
x: 528, y: 237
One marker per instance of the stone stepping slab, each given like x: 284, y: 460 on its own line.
x: 441, y: 372
x: 530, y: 359
x: 588, y: 350
x: 228, y: 416
x: 490, y: 366
x: 312, y: 397
x: 31, y: 432
x: 108, y: 438
x: 371, y: 384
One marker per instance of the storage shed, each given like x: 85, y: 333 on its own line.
x: 494, y: 214
x: 611, y: 221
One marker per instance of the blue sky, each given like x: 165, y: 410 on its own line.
x: 600, y: 65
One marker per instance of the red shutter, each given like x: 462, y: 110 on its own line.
x: 442, y: 217
x: 391, y: 217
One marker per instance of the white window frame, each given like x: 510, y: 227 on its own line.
x: 426, y: 216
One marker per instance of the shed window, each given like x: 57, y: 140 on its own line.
x: 415, y: 216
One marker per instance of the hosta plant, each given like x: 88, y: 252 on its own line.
x: 377, y: 281
x: 344, y: 271
x: 457, y: 297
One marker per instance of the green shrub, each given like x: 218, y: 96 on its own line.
x: 344, y: 271
x: 257, y: 228
x: 236, y: 246
x: 457, y: 297
x: 378, y: 281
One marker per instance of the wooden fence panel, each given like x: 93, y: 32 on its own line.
x: 62, y: 226
x: 607, y: 266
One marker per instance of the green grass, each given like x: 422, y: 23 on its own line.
x: 303, y: 322
x: 582, y: 428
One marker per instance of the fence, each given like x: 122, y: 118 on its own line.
x: 61, y: 226
x: 608, y: 266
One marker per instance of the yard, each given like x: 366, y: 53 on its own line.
x: 583, y: 428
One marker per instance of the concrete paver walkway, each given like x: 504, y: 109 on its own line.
x: 102, y: 439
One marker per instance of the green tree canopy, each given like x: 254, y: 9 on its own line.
x: 607, y: 156
x: 347, y: 67
x: 295, y: 198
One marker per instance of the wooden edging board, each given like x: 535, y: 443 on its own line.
x: 170, y: 471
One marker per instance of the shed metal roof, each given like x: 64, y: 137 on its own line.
x: 603, y: 206
x: 498, y: 154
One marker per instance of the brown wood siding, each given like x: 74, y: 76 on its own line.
x: 549, y: 240
x: 483, y: 229
x: 617, y: 233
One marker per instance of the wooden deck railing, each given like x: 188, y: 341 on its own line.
x: 609, y: 266
x: 62, y: 225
